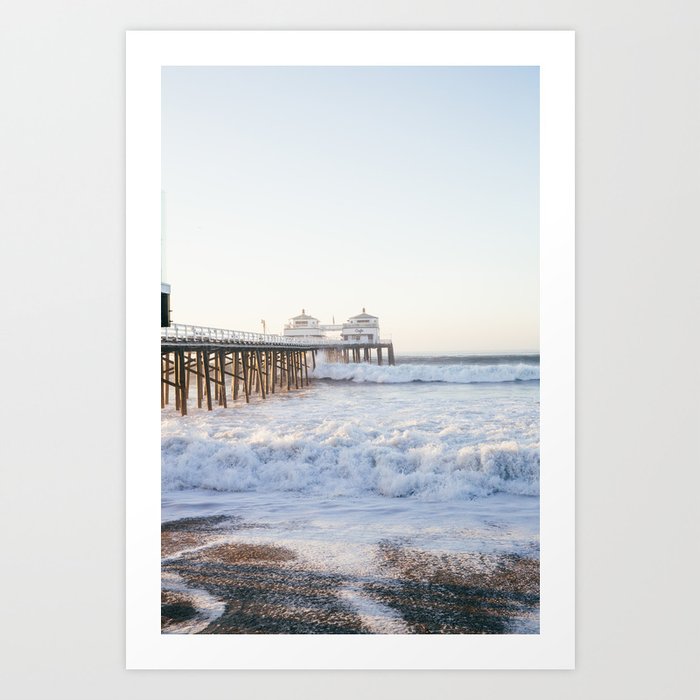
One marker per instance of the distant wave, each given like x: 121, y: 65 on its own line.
x: 348, y: 462
x: 449, y: 373
x: 456, y: 359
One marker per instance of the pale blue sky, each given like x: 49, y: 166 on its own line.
x: 410, y: 191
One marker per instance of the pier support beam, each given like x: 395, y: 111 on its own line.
x: 162, y: 381
x: 260, y: 381
x: 236, y: 376
x: 182, y: 381
x: 222, y: 368
x: 207, y: 379
x: 295, y: 361
x: 200, y: 370
x: 246, y: 376
x: 273, y: 369
x: 263, y: 368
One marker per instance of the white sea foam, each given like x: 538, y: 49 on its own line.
x: 405, y: 373
x: 208, y: 608
x: 341, y: 534
x: 429, y: 441
x: 375, y: 616
x: 347, y: 462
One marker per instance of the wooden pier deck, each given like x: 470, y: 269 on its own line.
x: 234, y: 365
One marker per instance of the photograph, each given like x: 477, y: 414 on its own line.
x: 350, y: 350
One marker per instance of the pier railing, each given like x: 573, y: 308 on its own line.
x: 179, y: 332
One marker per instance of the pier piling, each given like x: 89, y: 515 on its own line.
x: 262, y: 368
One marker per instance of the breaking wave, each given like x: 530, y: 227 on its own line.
x: 342, y: 465
x: 405, y: 373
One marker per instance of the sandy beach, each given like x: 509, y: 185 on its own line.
x: 216, y: 582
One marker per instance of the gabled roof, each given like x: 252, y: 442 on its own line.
x: 362, y: 315
x: 303, y: 316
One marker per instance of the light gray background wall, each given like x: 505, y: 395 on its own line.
x: 62, y: 291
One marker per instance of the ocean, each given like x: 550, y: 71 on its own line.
x: 392, y: 499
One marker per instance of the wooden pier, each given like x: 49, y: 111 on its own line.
x: 225, y: 365
x: 359, y: 352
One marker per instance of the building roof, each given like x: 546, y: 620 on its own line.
x: 362, y: 315
x: 303, y: 316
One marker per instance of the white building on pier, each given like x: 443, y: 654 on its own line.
x: 303, y: 326
x: 362, y: 328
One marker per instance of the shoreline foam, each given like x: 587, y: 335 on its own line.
x: 218, y: 582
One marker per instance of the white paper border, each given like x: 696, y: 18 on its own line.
x: 146, y: 53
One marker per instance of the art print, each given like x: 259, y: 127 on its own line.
x: 355, y: 266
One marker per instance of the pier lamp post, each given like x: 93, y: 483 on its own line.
x: 264, y: 325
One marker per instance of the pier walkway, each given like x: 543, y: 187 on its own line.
x: 232, y: 363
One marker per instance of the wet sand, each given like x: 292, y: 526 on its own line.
x: 215, y: 583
